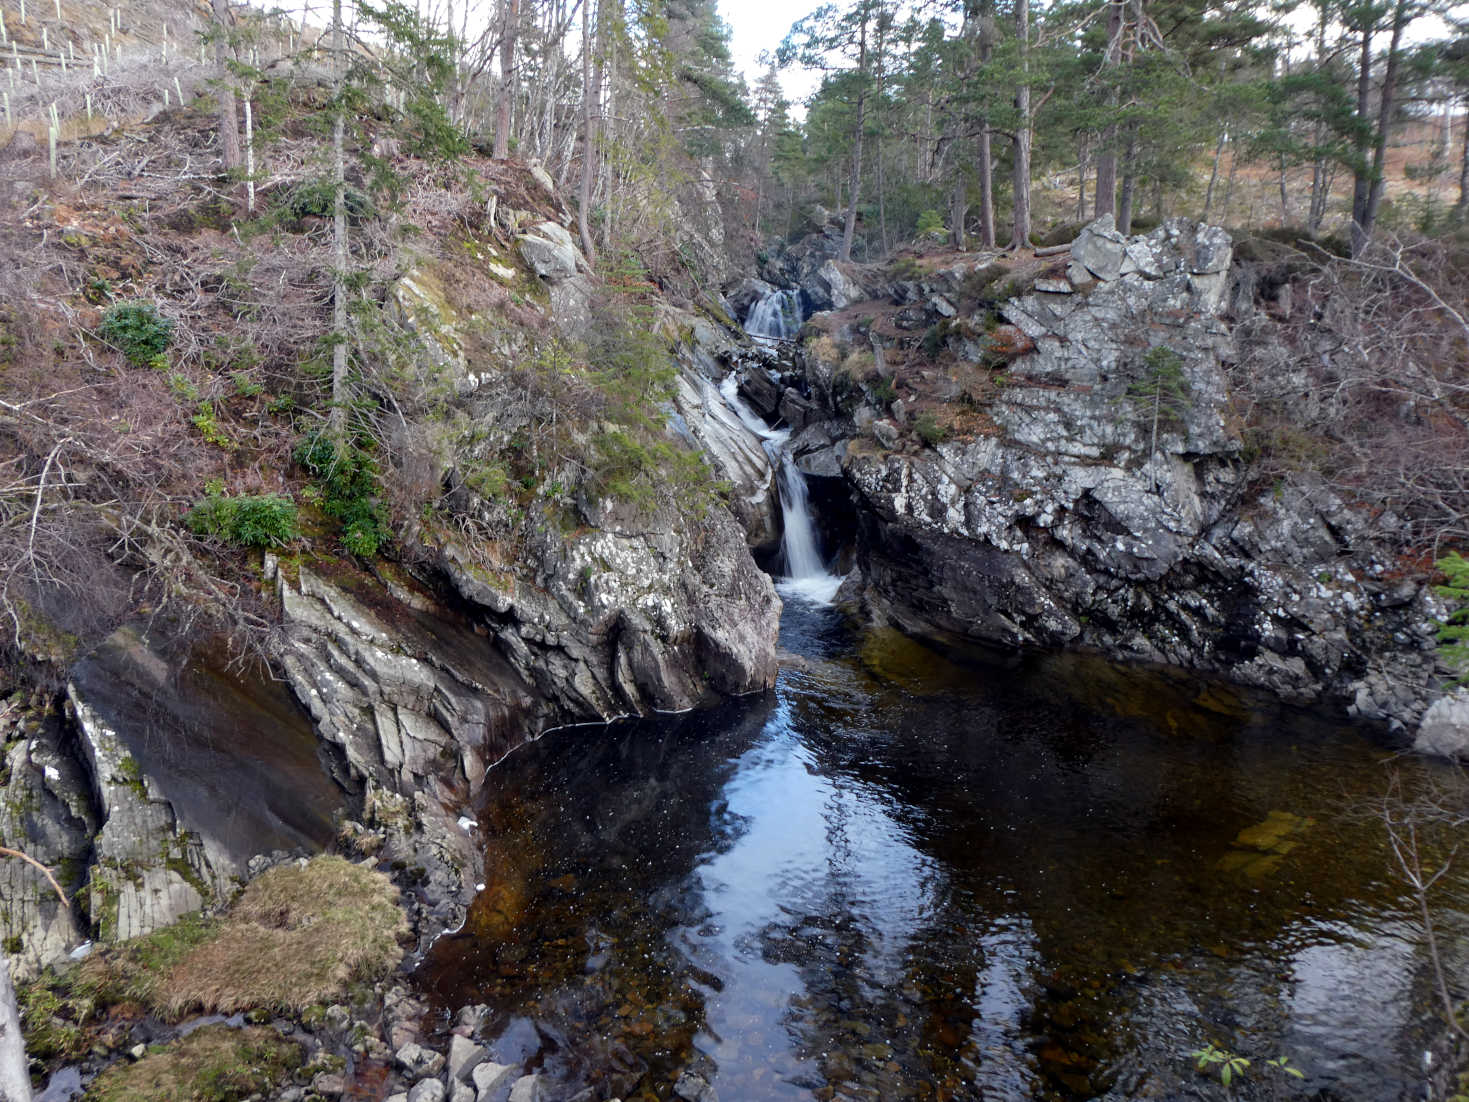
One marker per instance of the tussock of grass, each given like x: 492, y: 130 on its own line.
x: 213, y: 1064
x: 134, y: 971
x: 297, y: 936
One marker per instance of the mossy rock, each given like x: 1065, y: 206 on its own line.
x: 212, y: 1064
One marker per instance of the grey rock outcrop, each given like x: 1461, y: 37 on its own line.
x: 831, y: 288
x: 1110, y: 507
x: 46, y: 810
x: 1444, y: 730
x: 550, y: 251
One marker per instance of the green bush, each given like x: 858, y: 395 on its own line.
x: 929, y: 430
x: 246, y: 520
x: 317, y: 199
x: 348, y: 479
x: 1453, y: 632
x: 931, y: 226
x: 138, y: 330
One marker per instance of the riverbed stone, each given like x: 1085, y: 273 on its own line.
x: 489, y: 1078
x: 464, y: 1056
x: 526, y: 1089
x: 427, y: 1090
x: 417, y: 1060
x: 1444, y: 730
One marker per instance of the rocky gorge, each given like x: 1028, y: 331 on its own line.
x: 1075, y: 482
x: 1080, y: 478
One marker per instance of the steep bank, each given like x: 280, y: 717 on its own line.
x: 542, y: 518
x: 1047, y: 451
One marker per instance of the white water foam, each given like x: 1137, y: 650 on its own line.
x: 807, y: 578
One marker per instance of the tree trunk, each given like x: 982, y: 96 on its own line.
x: 589, y: 137
x: 1378, y: 182
x: 1361, y: 173
x: 15, y: 1076
x: 1129, y: 180
x: 958, y: 210
x: 511, y: 10
x: 985, y: 163
x: 1461, y: 208
x: 1081, y: 164
x: 1214, y: 174
x: 229, y: 130
x: 1020, y: 236
x: 849, y: 229
x: 337, y: 418
x: 1106, y: 186
x: 1284, y: 194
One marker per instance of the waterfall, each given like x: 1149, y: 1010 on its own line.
x: 806, y: 575
x: 776, y: 317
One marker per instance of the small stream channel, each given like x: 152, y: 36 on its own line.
x: 907, y: 874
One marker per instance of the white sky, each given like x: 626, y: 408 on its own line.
x: 759, y: 25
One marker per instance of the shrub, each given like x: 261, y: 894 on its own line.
x: 138, y: 330
x: 247, y: 520
x: 317, y: 199
x: 929, y: 430
x: 931, y: 226
x: 1453, y: 632
x: 347, y: 477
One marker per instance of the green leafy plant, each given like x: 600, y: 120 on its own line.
x: 245, y: 520
x: 138, y: 330
x: 1232, y: 1066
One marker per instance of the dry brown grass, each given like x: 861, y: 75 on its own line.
x: 299, y: 935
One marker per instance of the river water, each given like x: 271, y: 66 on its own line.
x: 906, y: 874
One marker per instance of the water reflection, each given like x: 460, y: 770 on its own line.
x: 913, y: 876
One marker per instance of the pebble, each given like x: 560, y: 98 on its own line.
x: 527, y: 1089
x: 461, y: 1092
x: 428, y: 1090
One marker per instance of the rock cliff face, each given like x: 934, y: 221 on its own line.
x: 405, y: 682
x: 1103, y: 501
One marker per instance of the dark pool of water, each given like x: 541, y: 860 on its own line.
x: 903, y: 875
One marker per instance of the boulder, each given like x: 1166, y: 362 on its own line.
x: 550, y: 251
x: 1444, y: 729
x: 830, y: 288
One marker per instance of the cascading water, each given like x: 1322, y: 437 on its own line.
x: 778, y: 315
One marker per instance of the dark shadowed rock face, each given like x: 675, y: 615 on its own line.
x: 1109, y: 506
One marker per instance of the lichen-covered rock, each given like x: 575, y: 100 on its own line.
x: 1109, y: 506
x: 550, y: 251
x: 45, y: 810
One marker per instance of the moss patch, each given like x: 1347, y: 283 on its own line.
x: 213, y: 1064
